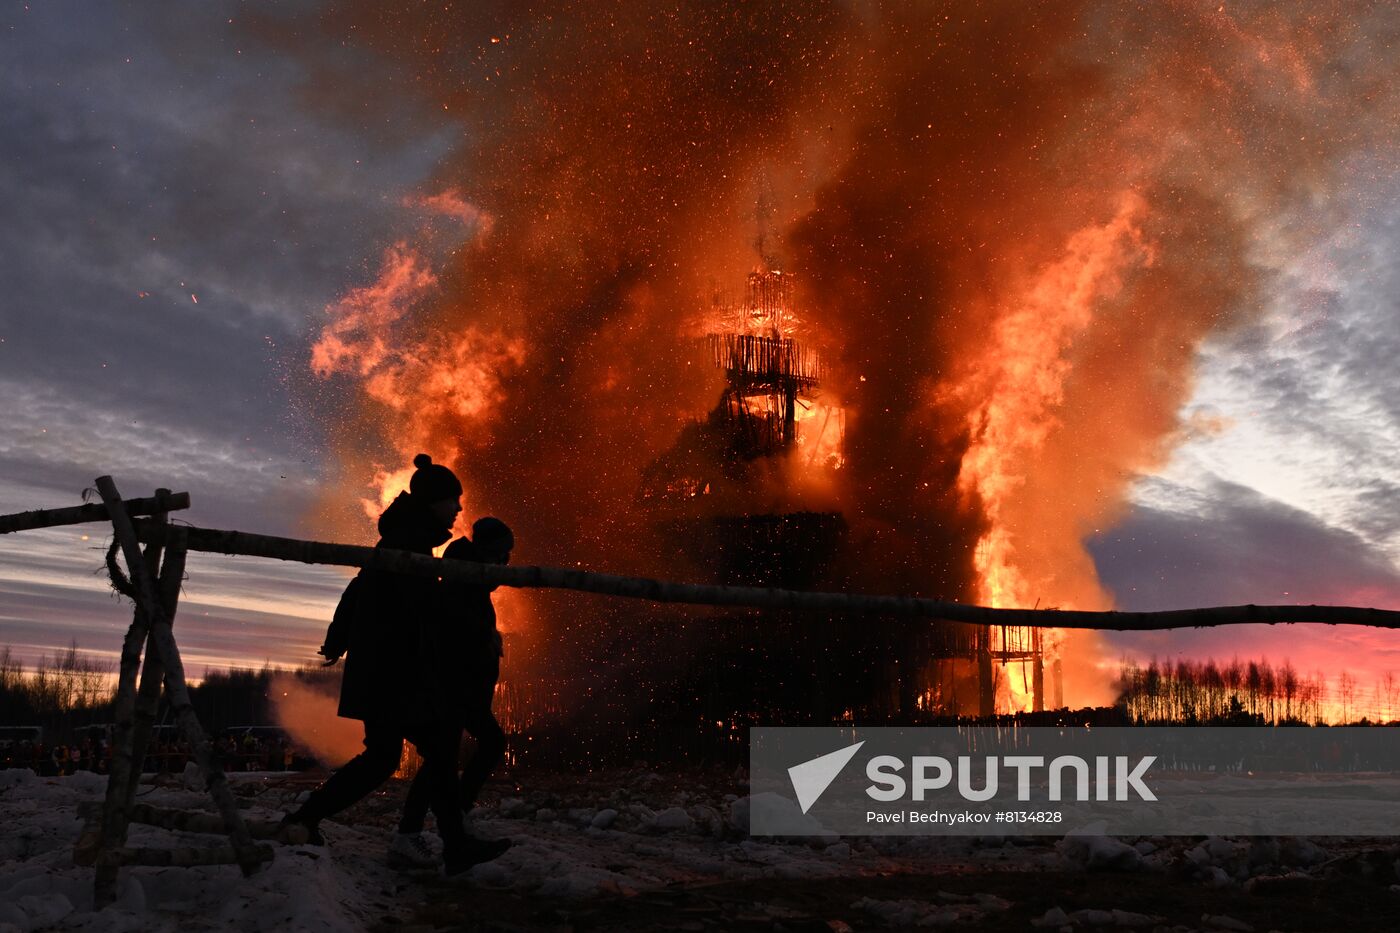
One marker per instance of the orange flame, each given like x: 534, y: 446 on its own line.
x: 1017, y: 392
x: 419, y: 382
x: 1016, y: 225
x: 1018, y: 387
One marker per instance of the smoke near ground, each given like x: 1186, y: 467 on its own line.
x: 309, y: 717
x: 1012, y: 228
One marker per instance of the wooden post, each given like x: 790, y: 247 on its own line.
x: 1038, y: 671
x: 153, y: 671
x: 665, y: 591
x: 148, y: 599
x: 986, y: 684
x: 1038, y: 684
x: 163, y: 640
x: 126, y: 768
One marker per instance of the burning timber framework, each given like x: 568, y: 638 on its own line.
x: 779, y: 368
x: 155, y: 574
x: 769, y: 375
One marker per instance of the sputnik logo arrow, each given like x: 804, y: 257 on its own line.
x: 811, y: 778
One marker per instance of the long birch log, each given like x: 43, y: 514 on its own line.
x: 190, y: 821
x: 172, y: 574
x: 663, y: 591
x: 93, y: 512
x: 189, y: 856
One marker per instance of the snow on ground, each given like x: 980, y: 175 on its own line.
x: 589, y: 839
x: 622, y: 841
x: 618, y: 846
x: 303, y: 889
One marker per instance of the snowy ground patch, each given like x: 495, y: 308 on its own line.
x: 41, y: 888
x: 621, y: 845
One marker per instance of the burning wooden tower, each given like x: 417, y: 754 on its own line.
x: 713, y: 492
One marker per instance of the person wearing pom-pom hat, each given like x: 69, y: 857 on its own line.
x: 380, y: 629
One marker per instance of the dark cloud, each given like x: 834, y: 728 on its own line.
x: 178, y: 215
x: 1235, y: 546
x: 1305, y: 396
x: 1375, y: 511
x: 176, y: 223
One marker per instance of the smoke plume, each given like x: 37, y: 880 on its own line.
x: 308, y: 716
x: 1012, y: 225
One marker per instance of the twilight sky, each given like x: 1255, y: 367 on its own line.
x: 179, y: 213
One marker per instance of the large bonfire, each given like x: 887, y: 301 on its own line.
x: 1013, y: 227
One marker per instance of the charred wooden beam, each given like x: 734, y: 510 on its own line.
x: 986, y: 686
x: 663, y: 591
x: 93, y: 512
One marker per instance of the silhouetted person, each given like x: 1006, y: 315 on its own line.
x: 465, y: 648
x: 384, y: 686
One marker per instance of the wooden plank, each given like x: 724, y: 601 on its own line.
x: 93, y: 512
x: 664, y: 591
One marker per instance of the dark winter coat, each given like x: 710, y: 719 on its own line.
x: 463, y: 642
x: 384, y: 664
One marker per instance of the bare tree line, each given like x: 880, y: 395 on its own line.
x: 1251, y: 692
x: 69, y: 681
x: 72, y: 689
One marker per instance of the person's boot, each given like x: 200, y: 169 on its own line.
x: 411, y: 850
x: 295, y: 829
x: 474, y: 852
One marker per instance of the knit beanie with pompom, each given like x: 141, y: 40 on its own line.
x: 433, y: 481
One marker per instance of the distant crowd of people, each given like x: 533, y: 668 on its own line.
x: 54, y: 760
